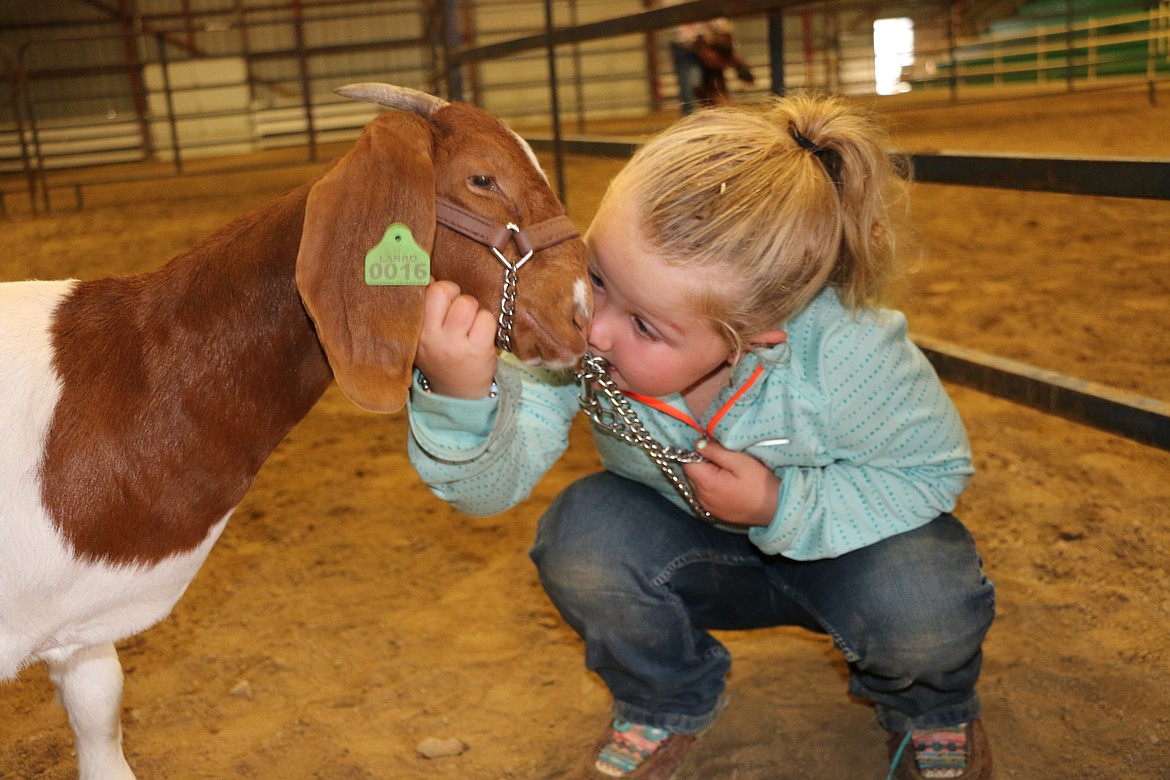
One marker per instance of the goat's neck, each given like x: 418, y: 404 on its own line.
x: 237, y: 308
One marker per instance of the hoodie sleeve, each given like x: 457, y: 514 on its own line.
x: 485, y: 456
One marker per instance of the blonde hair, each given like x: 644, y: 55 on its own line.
x: 781, y: 202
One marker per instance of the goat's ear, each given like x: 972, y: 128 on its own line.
x: 369, y: 333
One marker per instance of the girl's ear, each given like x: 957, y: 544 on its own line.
x: 764, y: 340
x: 768, y: 338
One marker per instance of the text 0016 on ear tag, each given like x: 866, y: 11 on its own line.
x: 397, y: 260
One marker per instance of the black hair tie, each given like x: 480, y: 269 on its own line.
x: 802, y: 141
x: 829, y: 159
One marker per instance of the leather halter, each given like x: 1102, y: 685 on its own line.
x: 496, y: 237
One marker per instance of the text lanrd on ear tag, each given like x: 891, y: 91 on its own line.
x: 397, y: 259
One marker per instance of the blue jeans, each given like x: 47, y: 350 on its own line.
x: 642, y: 582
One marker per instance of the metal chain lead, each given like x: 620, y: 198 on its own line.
x: 507, y: 311
x: 622, y: 421
x: 508, y: 298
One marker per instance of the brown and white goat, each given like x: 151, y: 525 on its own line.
x: 137, y: 411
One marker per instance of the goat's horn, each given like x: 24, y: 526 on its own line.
x: 389, y: 95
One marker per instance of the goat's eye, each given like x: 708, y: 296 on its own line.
x: 482, y: 182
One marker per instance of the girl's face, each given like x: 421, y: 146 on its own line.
x: 656, y: 344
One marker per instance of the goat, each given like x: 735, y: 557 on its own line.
x: 137, y: 411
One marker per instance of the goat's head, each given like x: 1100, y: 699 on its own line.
x: 467, y: 190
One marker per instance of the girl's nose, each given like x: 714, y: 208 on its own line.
x: 599, y: 330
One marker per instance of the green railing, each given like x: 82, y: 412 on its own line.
x: 1084, y: 50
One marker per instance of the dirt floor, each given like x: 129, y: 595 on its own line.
x: 347, y: 616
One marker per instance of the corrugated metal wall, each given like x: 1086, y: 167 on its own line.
x: 609, y: 76
x: 145, y: 77
x: 82, y: 61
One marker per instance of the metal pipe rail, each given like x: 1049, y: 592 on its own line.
x: 657, y: 19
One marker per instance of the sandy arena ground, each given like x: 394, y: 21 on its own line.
x: 347, y: 615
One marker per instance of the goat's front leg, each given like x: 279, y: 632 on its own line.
x: 89, y: 683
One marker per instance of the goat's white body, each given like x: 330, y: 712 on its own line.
x: 55, y: 606
x: 51, y: 602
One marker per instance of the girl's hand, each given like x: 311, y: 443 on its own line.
x: 456, y: 349
x: 733, y: 486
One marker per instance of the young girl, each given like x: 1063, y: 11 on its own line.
x: 737, y: 261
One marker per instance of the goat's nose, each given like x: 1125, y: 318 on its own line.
x: 581, y: 322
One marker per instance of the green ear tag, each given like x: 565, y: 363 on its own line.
x: 397, y: 259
